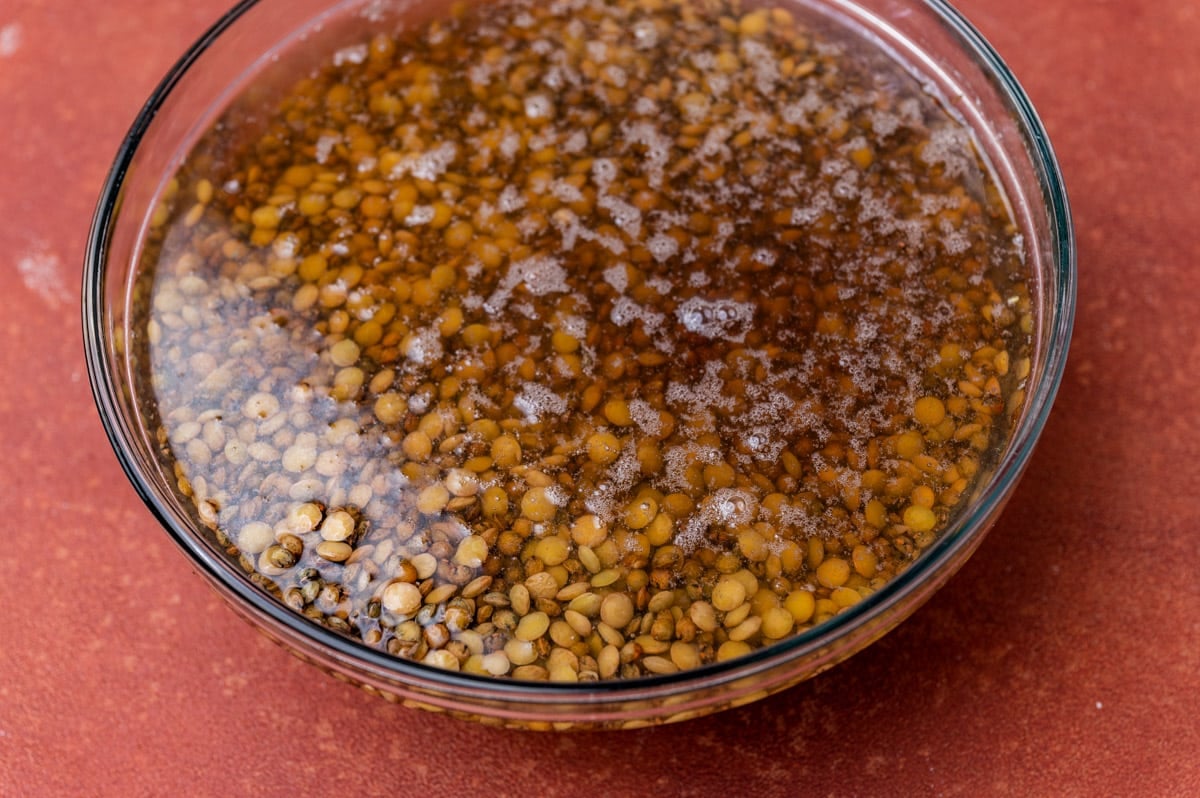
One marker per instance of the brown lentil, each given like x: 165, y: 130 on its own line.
x: 593, y: 340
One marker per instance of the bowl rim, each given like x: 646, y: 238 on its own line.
x: 967, y: 530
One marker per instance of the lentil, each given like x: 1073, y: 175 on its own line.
x: 607, y: 354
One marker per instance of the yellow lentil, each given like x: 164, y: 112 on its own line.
x: 728, y: 594
x: 538, y: 505
x: 919, y: 518
x: 929, y: 410
x: 800, y: 604
x: 833, y: 572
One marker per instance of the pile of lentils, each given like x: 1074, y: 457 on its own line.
x: 585, y: 339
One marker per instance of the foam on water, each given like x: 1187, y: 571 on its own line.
x: 429, y: 165
x: 324, y: 147
x: 764, y: 64
x: 726, y: 507
x: 353, y: 54
x: 421, y: 214
x: 704, y: 395
x: 655, y: 146
x: 540, y: 275
x: 616, y: 76
x: 950, y: 147
x: 955, y: 241
x: 620, y: 477
x: 537, y: 402
x: 662, y: 247
x: 510, y: 145
x: 424, y: 347
x: 617, y: 276
x: 661, y: 285
x: 511, y: 199
x: 565, y: 192
x: 716, y: 318
x: 646, y: 417
x: 604, y: 172
x: 645, y: 106
x: 677, y: 459
x: 539, y: 107
x: 625, y: 311
x: 575, y: 142
x: 624, y: 215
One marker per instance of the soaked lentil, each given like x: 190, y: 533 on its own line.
x: 586, y: 339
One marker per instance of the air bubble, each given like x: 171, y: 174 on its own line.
x: 354, y: 54
x: 537, y: 401
x: 617, y: 276
x: 715, y: 318
x: 541, y: 275
x: 424, y: 347
x: 421, y: 214
x: 539, y: 108
x: 645, y: 34
x: 624, y: 215
x: 662, y: 247
x: 511, y: 200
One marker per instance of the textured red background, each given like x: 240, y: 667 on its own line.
x: 1064, y: 659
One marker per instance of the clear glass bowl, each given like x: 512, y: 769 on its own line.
x: 256, y: 41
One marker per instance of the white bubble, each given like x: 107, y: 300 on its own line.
x: 645, y: 34
x: 950, y: 146
x: 419, y: 403
x: 604, y: 171
x: 354, y: 54
x: 510, y: 145
x: 625, y: 311
x: 663, y: 247
x: 565, y: 192
x: 716, y: 318
x: 656, y: 147
x: 677, y: 459
x: 421, y: 214
x: 646, y: 417
x: 661, y: 284
x: 764, y: 64
x: 644, y: 106
x: 537, y: 401
x: 574, y: 143
x: 624, y: 215
x: 575, y: 326
x: 424, y: 346
x: 704, y: 395
x: 538, y: 107
x: 324, y: 147
x: 798, y: 112
x: 955, y: 241
x: 511, y: 199
x: 619, y: 478
x: 541, y: 275
x: 429, y: 165
x: 883, y: 124
x: 764, y: 256
x: 617, y: 276
x: 616, y: 75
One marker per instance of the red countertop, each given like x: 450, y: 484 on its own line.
x: 1064, y: 659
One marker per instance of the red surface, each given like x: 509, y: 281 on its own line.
x: 1064, y: 659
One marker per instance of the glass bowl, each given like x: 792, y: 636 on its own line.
x: 255, y: 46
